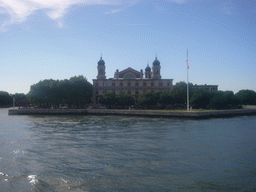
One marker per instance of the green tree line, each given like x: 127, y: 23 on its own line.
x: 75, y: 92
x: 6, y: 99
x: 122, y: 100
x: 176, y: 98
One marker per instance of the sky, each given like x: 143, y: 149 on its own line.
x: 59, y: 39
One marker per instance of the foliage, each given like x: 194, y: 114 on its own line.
x: 147, y: 100
x: 21, y: 100
x: 246, y: 97
x: 214, y: 99
x: 200, y: 98
x: 75, y: 92
x: 121, y: 100
x: 125, y: 100
x: 109, y: 99
x: 177, y: 97
x: 5, y: 99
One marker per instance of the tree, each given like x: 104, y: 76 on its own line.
x: 75, y: 92
x: 200, y: 98
x: 125, y: 100
x: 246, y: 97
x: 163, y: 99
x: 109, y: 99
x: 5, y: 99
x: 217, y: 100
x: 147, y: 100
x: 231, y: 99
x: 21, y: 100
x: 179, y: 93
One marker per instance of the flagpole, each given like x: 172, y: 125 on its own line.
x: 187, y: 84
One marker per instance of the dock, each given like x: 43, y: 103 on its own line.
x: 147, y: 113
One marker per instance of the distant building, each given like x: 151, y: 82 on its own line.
x: 129, y: 81
x: 205, y: 87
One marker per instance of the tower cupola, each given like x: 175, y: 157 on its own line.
x: 101, y: 69
x: 148, y: 72
x: 101, y: 61
x: 156, y: 62
x: 156, y: 69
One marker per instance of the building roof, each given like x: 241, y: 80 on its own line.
x: 130, y: 71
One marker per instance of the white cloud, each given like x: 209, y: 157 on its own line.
x: 19, y: 10
x: 114, y: 11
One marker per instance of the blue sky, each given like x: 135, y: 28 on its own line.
x: 58, y: 39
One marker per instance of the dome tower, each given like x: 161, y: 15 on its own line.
x: 148, y: 72
x: 156, y: 69
x: 101, y: 69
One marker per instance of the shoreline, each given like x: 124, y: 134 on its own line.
x: 148, y: 113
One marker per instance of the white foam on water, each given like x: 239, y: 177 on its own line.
x: 1, y: 173
x: 66, y: 182
x: 32, y: 179
x: 18, y: 151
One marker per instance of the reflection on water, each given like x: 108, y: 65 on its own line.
x: 117, y: 153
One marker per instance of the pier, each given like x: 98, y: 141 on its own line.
x: 148, y: 113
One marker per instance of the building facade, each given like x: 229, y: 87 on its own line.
x: 205, y: 87
x: 129, y: 81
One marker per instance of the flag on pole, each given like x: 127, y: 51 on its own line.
x: 187, y: 60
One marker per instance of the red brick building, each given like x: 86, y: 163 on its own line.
x: 129, y: 81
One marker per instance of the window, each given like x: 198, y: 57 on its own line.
x: 152, y: 84
x: 129, y: 84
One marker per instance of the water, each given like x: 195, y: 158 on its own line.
x: 117, y: 153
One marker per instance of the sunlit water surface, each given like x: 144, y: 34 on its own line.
x: 118, y: 153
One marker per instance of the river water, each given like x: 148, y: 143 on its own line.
x: 119, y: 153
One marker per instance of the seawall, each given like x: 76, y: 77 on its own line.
x: 148, y: 113
x: 47, y: 111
